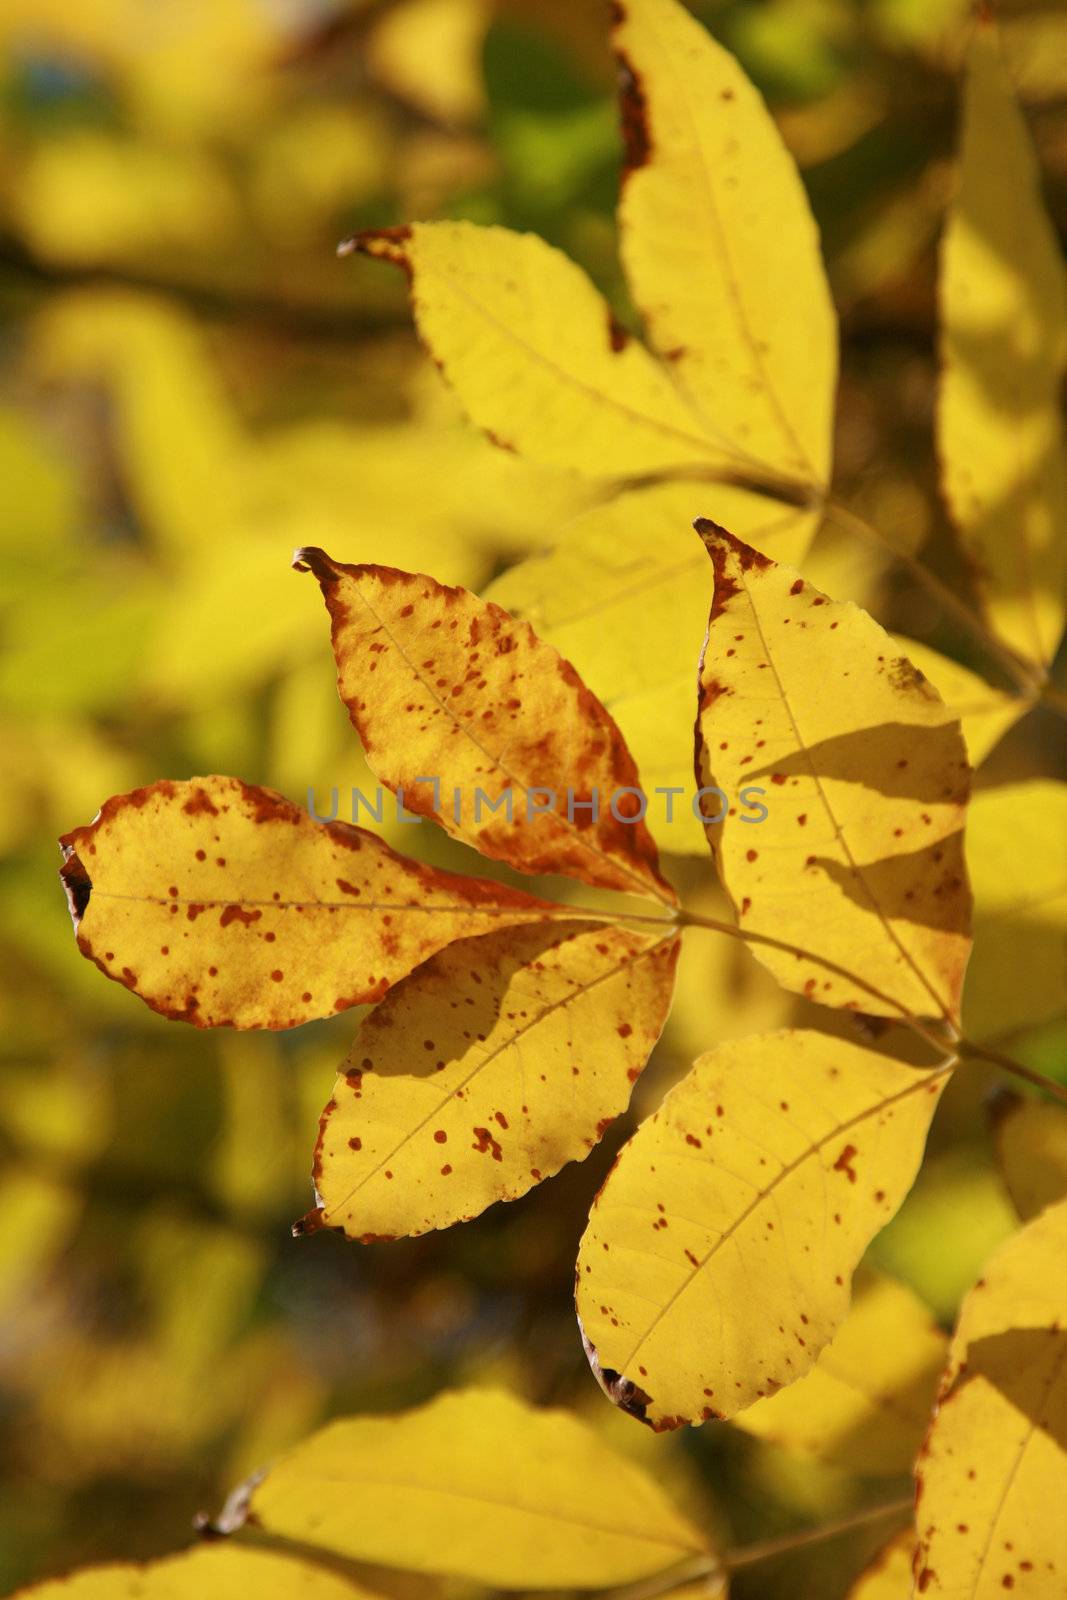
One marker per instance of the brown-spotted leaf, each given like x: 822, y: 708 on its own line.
x: 719, y: 1253
x: 858, y: 865
x: 499, y: 1060
x: 464, y: 709
x: 992, y: 1477
x: 226, y: 905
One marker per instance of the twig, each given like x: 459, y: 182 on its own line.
x: 1025, y: 680
x: 977, y: 1052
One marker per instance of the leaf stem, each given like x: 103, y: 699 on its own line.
x: 1028, y: 684
x: 749, y: 1554
x: 978, y: 1052
x: 712, y: 1567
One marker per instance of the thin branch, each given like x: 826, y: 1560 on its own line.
x: 1025, y: 680
x: 1049, y: 1086
x: 767, y: 1549
x: 712, y: 1567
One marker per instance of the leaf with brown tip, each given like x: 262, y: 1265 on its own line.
x: 226, y: 905
x: 460, y: 707
x: 854, y: 884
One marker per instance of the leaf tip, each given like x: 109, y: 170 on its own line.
x: 620, y: 1390
x: 309, y: 558
x: 76, y: 883
x: 313, y: 1222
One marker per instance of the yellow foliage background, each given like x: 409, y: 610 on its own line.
x: 191, y: 385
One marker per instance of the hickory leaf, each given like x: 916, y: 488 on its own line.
x: 995, y: 1461
x: 1004, y: 343
x: 481, y: 1486
x: 226, y: 905
x: 625, y: 598
x: 454, y: 700
x: 719, y: 244
x: 718, y: 1257
x: 859, y: 862
x: 497, y: 1061
x: 722, y: 258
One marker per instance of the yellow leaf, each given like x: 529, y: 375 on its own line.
x: 624, y: 597
x: 1017, y: 857
x: 717, y: 1260
x: 862, y: 770
x: 986, y: 714
x: 498, y: 1061
x: 720, y: 247
x: 480, y: 1485
x: 888, y: 1577
x: 865, y: 1405
x: 207, y: 1572
x: 1031, y: 1140
x: 225, y: 905
x: 994, y: 1467
x: 1004, y: 340
x: 464, y: 709
x: 531, y: 349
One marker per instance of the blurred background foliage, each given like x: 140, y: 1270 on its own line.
x: 191, y: 385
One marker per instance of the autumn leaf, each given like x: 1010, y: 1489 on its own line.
x: 1031, y: 1144
x: 625, y: 598
x: 464, y: 708
x: 865, y: 1404
x: 747, y: 1199
x: 225, y: 905
x: 497, y: 1061
x: 722, y: 259
x: 1004, y: 342
x: 1017, y: 857
x: 995, y: 1460
x: 719, y: 244
x: 218, y: 1571
x: 858, y: 865
x: 490, y: 305
x: 481, y: 1486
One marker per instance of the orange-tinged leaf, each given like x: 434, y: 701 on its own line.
x: 719, y: 1253
x: 859, y: 862
x: 888, y: 1576
x: 207, y: 1572
x: 1031, y: 1143
x: 720, y: 247
x: 466, y: 710
x: 499, y: 1060
x: 480, y: 1485
x: 226, y: 905
x: 624, y: 596
x: 1004, y: 340
x: 865, y: 1405
x: 533, y: 353
x: 993, y: 1474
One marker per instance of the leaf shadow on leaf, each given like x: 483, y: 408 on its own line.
x: 492, y: 961
x: 1028, y: 1367
x: 921, y: 886
x: 861, y: 758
